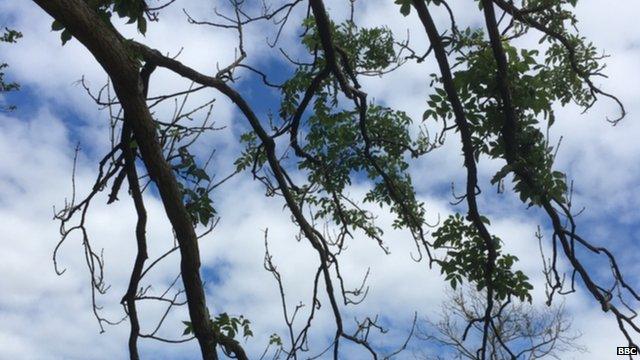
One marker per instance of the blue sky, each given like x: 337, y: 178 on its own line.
x: 43, y: 316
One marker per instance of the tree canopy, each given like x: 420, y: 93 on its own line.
x: 496, y: 93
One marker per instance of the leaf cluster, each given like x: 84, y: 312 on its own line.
x: 9, y: 36
x: 225, y: 325
x: 536, y: 85
x: 194, y: 191
x: 466, y: 260
x: 132, y: 10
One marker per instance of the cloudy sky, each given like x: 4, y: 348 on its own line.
x: 45, y: 316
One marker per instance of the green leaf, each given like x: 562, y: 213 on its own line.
x: 142, y: 25
x: 405, y: 9
x: 405, y: 6
x: 56, y: 25
x: 188, y: 328
x: 65, y: 36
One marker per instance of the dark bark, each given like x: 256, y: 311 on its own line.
x: 469, y: 161
x: 511, y: 149
x: 110, y: 50
x: 129, y: 299
x: 272, y: 159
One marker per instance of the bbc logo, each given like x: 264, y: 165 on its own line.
x: 627, y: 350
